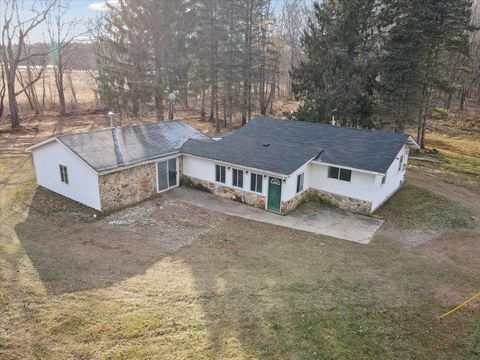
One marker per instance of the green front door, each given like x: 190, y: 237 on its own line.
x: 274, y: 194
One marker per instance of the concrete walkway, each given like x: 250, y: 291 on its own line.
x: 312, y: 217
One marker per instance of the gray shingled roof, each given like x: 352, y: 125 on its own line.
x: 293, y: 143
x: 134, y: 144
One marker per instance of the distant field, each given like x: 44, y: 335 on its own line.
x: 83, y: 84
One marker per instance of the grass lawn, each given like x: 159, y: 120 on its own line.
x: 458, y: 160
x: 414, y: 207
x: 166, y: 280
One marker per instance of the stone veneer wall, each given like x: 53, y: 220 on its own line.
x: 340, y: 201
x: 290, y: 205
x: 126, y: 187
x: 252, y: 199
x: 345, y: 202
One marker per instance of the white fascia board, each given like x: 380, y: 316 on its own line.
x: 251, y: 169
x: 348, y: 167
x: 308, y: 162
x: 33, y: 147
x: 412, y: 143
x: 41, y: 143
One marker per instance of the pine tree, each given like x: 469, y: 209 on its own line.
x: 338, y: 73
x: 423, y: 35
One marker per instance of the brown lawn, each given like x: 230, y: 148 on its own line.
x: 167, y: 280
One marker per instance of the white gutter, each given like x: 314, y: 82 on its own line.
x: 138, y: 163
x: 283, y: 176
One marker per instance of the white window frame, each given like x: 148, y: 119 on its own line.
x: 224, y: 174
x: 177, y: 169
x: 237, y: 177
x: 339, y: 173
x: 400, y: 163
x: 257, y: 176
x: 301, y: 177
x: 63, y: 174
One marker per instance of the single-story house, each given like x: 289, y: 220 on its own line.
x: 268, y: 163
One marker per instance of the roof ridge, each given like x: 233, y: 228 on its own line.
x: 313, y: 123
x: 121, y: 128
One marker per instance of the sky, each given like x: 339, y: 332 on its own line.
x: 82, y: 10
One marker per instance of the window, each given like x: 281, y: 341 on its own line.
x: 172, y: 172
x: 300, y: 182
x: 237, y: 178
x: 256, y: 182
x: 220, y: 174
x: 339, y: 173
x: 384, y: 179
x: 333, y: 172
x: 166, y: 174
x: 63, y: 174
x: 400, y: 163
x: 345, y: 174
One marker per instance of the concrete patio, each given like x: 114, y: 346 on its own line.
x: 312, y: 217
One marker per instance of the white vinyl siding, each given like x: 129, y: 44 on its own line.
x: 82, y: 180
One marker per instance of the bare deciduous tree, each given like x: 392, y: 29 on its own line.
x: 62, y: 36
x: 15, y: 32
x: 3, y: 89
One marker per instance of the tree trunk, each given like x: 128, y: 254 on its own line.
x: 245, y: 104
x: 3, y: 89
x: 135, y: 106
x: 463, y: 96
x: 61, y: 92
x: 224, y: 99
x: 58, y: 73
x: 33, y: 92
x: 217, y: 119
x: 12, y: 102
x: 159, y: 106
x: 202, y: 109
x: 158, y: 93
x: 72, y: 88
x: 212, y: 103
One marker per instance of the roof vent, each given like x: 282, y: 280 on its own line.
x: 266, y: 144
x: 111, y: 115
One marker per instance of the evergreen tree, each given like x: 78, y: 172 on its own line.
x: 337, y: 76
x: 423, y: 35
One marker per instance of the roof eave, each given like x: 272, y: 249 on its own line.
x: 41, y: 143
x: 268, y: 172
x: 109, y: 170
x: 412, y: 143
x: 348, y: 167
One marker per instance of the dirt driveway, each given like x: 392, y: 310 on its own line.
x: 312, y: 217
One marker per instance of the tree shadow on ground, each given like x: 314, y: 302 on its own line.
x: 73, y: 252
